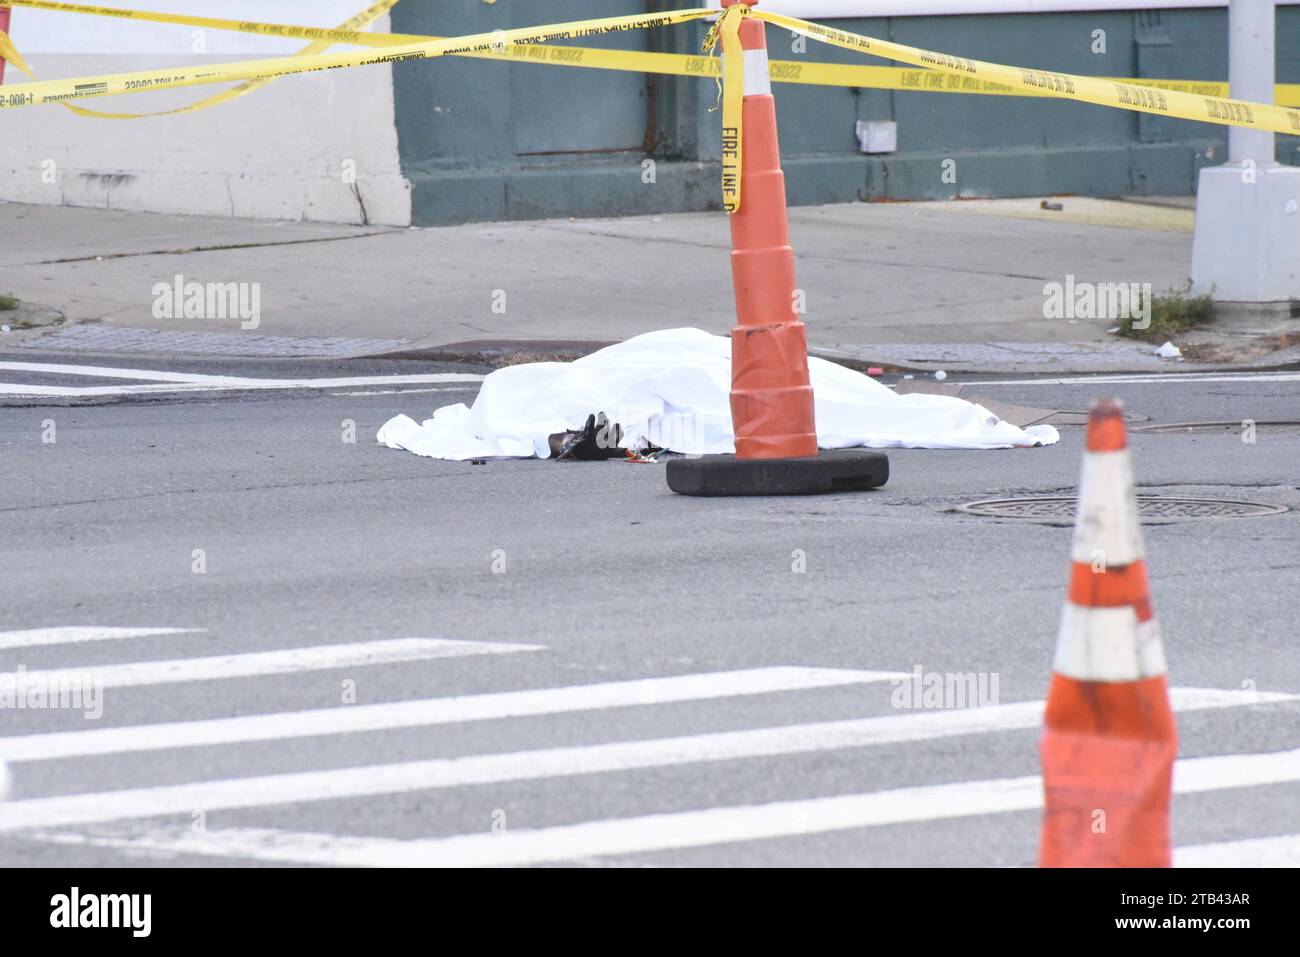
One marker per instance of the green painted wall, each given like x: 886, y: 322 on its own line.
x: 483, y: 140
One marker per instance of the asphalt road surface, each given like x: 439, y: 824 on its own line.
x: 280, y: 619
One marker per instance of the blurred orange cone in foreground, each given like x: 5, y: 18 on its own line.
x: 1109, y: 741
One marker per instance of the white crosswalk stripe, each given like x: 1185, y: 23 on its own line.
x: 134, y: 819
x: 157, y: 381
x: 405, y: 777
x: 255, y: 664
x: 721, y: 825
x: 409, y: 714
x: 44, y: 637
x: 1281, y: 851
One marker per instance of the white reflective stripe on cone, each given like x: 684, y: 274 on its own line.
x: 1107, y: 525
x: 1107, y: 644
x: 758, y: 81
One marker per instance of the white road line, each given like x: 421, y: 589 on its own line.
x: 197, y: 378
x: 409, y: 714
x: 156, y: 381
x: 70, y: 392
x: 1163, y: 378
x: 665, y: 832
x: 108, y: 372
x: 405, y: 777
x: 187, y: 382
x: 42, y: 637
x: 358, y: 381
x: 316, y: 658
x: 1281, y: 851
x: 395, y: 391
x: 63, y: 391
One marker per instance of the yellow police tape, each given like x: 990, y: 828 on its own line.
x: 1068, y: 86
x: 632, y: 61
x: 112, y: 84
x: 346, y: 33
x: 9, y: 52
x: 940, y: 72
x: 727, y: 29
x: 810, y: 73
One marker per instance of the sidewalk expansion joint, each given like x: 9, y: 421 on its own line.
x: 185, y: 251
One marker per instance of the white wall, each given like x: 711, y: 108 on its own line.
x: 278, y: 152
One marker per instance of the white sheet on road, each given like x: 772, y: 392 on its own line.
x: 670, y: 389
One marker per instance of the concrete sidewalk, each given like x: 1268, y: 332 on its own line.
x: 957, y: 285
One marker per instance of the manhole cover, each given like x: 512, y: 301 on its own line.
x: 1151, y: 508
x: 1196, y: 427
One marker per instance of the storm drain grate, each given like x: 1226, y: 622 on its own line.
x: 1151, y: 508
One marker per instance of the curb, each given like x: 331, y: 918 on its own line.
x: 503, y: 352
x: 497, y: 352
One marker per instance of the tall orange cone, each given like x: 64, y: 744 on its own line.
x: 771, y: 395
x: 771, y: 391
x: 1109, y: 740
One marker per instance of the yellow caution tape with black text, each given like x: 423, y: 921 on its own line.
x: 727, y: 29
x: 808, y: 73
x: 9, y: 52
x: 1190, y: 100
x: 112, y: 84
x: 1122, y: 95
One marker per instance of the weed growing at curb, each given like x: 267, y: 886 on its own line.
x: 1171, y: 314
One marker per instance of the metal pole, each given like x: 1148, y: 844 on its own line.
x: 1251, y: 73
x: 1246, y: 249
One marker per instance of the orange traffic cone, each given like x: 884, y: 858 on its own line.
x: 771, y: 396
x: 771, y: 393
x: 1109, y: 740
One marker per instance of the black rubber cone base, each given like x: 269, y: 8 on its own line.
x: 837, y: 470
